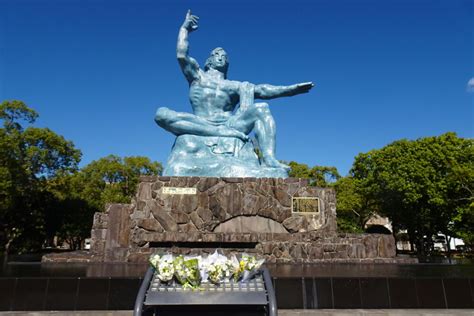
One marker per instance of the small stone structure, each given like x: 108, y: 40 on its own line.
x: 195, y: 215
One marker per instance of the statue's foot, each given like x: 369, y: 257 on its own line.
x: 230, y: 132
x: 272, y: 162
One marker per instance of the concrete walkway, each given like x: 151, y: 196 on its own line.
x: 284, y: 312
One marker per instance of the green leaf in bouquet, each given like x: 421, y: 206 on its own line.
x: 194, y: 277
x: 180, y: 270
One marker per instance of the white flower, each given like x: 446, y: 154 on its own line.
x: 217, y: 267
x: 154, y: 259
x: 163, y: 266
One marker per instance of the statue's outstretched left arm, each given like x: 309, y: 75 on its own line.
x: 267, y: 91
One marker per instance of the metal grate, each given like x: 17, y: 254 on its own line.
x: 228, y: 292
x: 254, y: 285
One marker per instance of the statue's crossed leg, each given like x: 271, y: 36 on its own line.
x: 256, y: 117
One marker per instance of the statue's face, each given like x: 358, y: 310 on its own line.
x: 218, y: 60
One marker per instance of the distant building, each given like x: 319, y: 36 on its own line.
x: 382, y: 225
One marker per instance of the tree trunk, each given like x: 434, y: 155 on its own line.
x: 7, y: 245
x: 412, y: 239
x: 396, y: 242
x: 420, y: 245
x: 448, y: 246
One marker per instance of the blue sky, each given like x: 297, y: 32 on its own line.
x: 97, y: 70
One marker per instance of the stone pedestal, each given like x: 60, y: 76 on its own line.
x: 196, y: 215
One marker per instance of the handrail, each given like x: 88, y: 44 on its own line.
x: 137, y: 311
x: 272, y: 305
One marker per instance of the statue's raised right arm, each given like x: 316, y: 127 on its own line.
x: 189, y: 65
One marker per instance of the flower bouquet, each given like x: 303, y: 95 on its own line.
x: 247, y: 268
x: 216, y: 268
x: 186, y: 271
x: 191, y: 271
x: 164, y: 266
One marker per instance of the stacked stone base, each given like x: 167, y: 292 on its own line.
x: 275, y: 248
x: 234, y: 215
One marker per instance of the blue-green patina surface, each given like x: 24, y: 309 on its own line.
x: 213, y: 140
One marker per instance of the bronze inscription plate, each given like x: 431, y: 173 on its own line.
x: 306, y: 205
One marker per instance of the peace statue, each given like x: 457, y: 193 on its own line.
x: 214, y: 140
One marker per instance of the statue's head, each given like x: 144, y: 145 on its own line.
x: 218, y: 60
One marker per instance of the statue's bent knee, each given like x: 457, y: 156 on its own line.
x: 262, y: 107
x: 163, y: 116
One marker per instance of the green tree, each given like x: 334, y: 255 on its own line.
x: 351, y: 217
x: 462, y: 190
x: 463, y: 224
x: 417, y: 183
x: 69, y: 217
x: 29, y: 158
x: 112, y: 179
x: 320, y: 176
x: 354, y: 209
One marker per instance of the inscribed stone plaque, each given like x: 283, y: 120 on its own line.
x: 305, y: 205
x: 173, y: 190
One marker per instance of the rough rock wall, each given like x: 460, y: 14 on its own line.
x: 232, y: 214
x: 219, y: 200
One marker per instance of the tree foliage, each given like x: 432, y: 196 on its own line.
x: 112, y: 179
x: 354, y: 208
x: 463, y: 223
x: 349, y: 201
x: 320, y: 176
x: 68, y: 216
x: 421, y: 185
x: 43, y: 195
x: 462, y: 188
x: 29, y: 158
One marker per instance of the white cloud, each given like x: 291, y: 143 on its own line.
x: 470, y: 85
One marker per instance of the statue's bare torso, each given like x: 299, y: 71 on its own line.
x: 213, y: 98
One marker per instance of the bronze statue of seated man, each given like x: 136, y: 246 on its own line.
x: 223, y: 108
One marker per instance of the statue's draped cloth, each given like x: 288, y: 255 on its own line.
x: 232, y: 146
